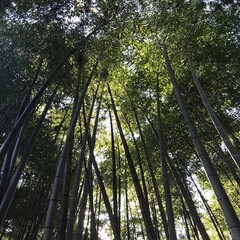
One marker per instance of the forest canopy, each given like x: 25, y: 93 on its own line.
x: 120, y: 119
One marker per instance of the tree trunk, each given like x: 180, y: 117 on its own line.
x: 83, y: 204
x: 139, y: 161
x: 127, y: 204
x: 62, y: 222
x: 12, y: 135
x: 190, y: 224
x: 62, y: 219
x: 93, y: 226
x: 112, y: 217
x: 49, y: 224
x: 188, y: 199
x: 154, y: 181
x: 142, y: 201
x: 186, y: 224
x: 6, y: 167
x: 166, y: 185
x: 210, y: 212
x: 7, y: 199
x: 219, y: 150
x: 217, y: 124
x: 88, y: 177
x: 37, y: 193
x: 12, y: 152
x: 114, y: 170
x: 227, y: 208
x: 74, y: 195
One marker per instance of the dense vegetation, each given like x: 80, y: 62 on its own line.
x: 120, y: 119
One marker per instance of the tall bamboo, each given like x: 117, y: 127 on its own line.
x: 56, y: 190
x: 217, y: 124
x: 151, y: 171
x: 225, y: 204
x: 166, y: 185
x: 62, y: 222
x: 74, y: 195
x: 7, y: 199
x: 142, y: 201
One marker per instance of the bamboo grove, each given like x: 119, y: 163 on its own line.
x: 119, y: 120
